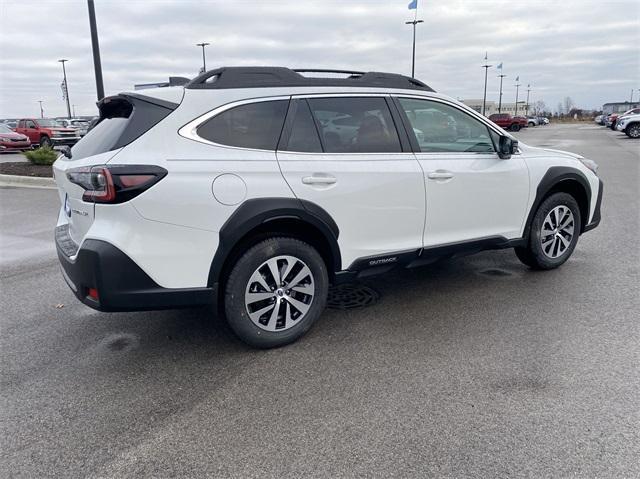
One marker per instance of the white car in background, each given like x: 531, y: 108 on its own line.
x: 80, y: 125
x: 630, y: 125
x: 239, y: 189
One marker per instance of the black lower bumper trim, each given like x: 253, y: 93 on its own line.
x: 120, y: 282
x: 596, y: 212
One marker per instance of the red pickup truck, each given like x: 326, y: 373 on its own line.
x: 508, y: 122
x: 46, y: 132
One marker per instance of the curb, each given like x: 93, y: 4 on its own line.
x: 27, y: 182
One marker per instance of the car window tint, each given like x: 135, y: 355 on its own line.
x: 355, y: 125
x: 254, y: 125
x: 304, y: 134
x: 442, y: 128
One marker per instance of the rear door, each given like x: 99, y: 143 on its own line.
x: 345, y: 154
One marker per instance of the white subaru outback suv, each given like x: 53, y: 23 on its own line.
x: 255, y: 188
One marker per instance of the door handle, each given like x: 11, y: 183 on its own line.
x: 318, y: 180
x: 440, y: 175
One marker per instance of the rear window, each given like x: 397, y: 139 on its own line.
x: 254, y: 125
x: 122, y: 120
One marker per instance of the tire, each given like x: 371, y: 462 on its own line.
x: 291, y: 321
x: 548, y: 251
x: 45, y: 142
x: 633, y: 130
x: 531, y: 124
x: 515, y: 127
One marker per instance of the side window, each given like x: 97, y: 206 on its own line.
x: 254, y: 125
x: 30, y: 124
x: 443, y: 128
x: 304, y: 134
x: 355, y: 125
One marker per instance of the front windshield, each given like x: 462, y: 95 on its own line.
x: 5, y: 129
x: 49, y: 123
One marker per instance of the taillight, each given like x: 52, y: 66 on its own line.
x: 115, y: 183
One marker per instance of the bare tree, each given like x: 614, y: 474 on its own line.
x: 539, y: 107
x: 568, y: 104
x: 560, y: 109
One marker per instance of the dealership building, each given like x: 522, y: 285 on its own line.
x: 619, y: 107
x: 492, y: 107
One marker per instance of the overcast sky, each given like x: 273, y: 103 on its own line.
x: 586, y: 49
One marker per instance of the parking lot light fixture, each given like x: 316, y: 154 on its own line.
x: 413, y: 55
x: 527, y: 104
x: 66, y: 86
x: 204, y: 59
x: 486, y: 67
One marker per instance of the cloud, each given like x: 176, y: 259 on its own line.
x: 586, y: 49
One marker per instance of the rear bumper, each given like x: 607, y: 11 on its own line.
x: 595, y: 221
x: 121, y: 284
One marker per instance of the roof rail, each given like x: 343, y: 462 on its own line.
x: 256, y: 77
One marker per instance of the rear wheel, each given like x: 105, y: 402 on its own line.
x: 45, y: 142
x: 532, y: 124
x: 633, y: 130
x: 554, y: 233
x: 275, y: 292
x: 515, y: 127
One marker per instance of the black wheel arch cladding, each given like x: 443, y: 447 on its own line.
x: 255, y: 213
x: 562, y: 179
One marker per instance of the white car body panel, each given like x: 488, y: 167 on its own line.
x: 382, y: 203
x: 485, y: 197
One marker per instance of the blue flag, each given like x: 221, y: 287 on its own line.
x: 499, y: 67
x: 413, y: 5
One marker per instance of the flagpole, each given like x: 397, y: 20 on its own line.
x: 486, y: 67
x: 502, y: 75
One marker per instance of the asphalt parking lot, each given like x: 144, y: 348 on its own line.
x: 475, y: 367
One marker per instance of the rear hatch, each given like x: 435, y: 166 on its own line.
x: 123, y: 118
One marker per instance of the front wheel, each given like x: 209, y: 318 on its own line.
x: 531, y: 124
x: 45, y: 142
x: 554, y: 233
x: 633, y: 130
x: 515, y: 127
x: 275, y: 292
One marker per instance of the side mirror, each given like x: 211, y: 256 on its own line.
x: 66, y: 151
x: 507, y: 147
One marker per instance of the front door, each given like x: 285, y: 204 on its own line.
x: 344, y: 154
x: 471, y: 192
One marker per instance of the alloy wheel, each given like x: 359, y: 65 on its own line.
x: 279, y: 293
x: 634, y: 131
x: 557, y: 231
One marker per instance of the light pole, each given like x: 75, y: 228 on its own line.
x: 41, y: 110
x: 486, y: 67
x: 413, y: 55
x: 73, y: 107
x: 528, y: 91
x: 97, y: 66
x: 517, y: 87
x: 66, y: 87
x: 204, y: 60
x: 502, y: 75
x: 631, y: 99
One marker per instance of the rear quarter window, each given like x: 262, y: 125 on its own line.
x: 254, y: 125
